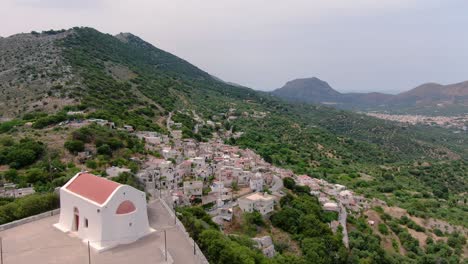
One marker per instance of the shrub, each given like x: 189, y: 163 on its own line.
x: 383, y: 229
x: 104, y: 150
x: 74, y: 146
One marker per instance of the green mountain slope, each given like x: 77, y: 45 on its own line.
x: 171, y: 83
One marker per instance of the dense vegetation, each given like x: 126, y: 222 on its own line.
x: 11, y: 210
x: 19, y: 154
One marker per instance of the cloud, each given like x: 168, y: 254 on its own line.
x: 57, y: 4
x: 353, y: 44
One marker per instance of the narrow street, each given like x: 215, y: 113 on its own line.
x: 342, y: 216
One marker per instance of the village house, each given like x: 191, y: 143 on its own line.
x: 198, y: 162
x: 128, y: 128
x: 169, y: 153
x: 256, y: 182
x: 304, y: 180
x: 261, y: 202
x: 193, y: 188
x: 331, y: 206
x: 185, y: 166
x: 72, y: 113
x: 102, y: 122
x: 243, y: 178
x: 217, y: 186
x: 176, y: 134
x: 346, y: 198
x: 102, y: 212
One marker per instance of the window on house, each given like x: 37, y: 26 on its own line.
x: 86, y: 222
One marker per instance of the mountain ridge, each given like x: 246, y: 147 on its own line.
x: 423, y: 96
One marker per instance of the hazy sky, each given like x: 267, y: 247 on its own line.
x: 355, y: 45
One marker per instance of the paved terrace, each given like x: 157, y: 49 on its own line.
x: 39, y: 242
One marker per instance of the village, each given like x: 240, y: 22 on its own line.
x: 222, y: 178
x: 453, y: 122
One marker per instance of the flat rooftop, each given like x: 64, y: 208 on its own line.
x: 40, y: 242
x: 259, y: 196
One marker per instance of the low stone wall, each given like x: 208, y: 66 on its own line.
x: 201, y: 258
x: 29, y: 219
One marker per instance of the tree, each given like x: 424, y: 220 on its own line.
x: 289, y: 183
x: 287, y: 219
x: 11, y: 175
x: 35, y: 175
x: 235, y: 186
x: 19, y: 158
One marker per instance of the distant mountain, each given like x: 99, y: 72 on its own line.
x: 434, y: 93
x: 310, y: 90
x: 430, y: 98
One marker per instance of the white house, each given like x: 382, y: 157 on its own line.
x: 346, y: 197
x: 331, y: 206
x: 103, y: 212
x: 217, y: 186
x: 261, y: 202
x: 256, y: 182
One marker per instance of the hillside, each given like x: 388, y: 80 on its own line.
x: 127, y: 81
x: 430, y: 98
x: 33, y: 74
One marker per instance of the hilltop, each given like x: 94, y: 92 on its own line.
x: 429, y: 98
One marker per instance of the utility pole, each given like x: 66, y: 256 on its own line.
x: 165, y: 245
x: 1, y: 250
x: 175, y: 214
x: 194, y: 234
x: 89, y: 254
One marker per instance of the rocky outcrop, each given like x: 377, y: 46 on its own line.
x: 265, y: 244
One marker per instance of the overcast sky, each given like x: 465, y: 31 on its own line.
x: 355, y: 45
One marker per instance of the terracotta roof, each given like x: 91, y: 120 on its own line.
x: 92, y: 187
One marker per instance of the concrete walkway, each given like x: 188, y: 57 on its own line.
x: 39, y: 242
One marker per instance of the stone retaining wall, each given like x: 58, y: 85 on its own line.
x: 29, y: 219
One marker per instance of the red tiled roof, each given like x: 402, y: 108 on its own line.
x: 92, y: 187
